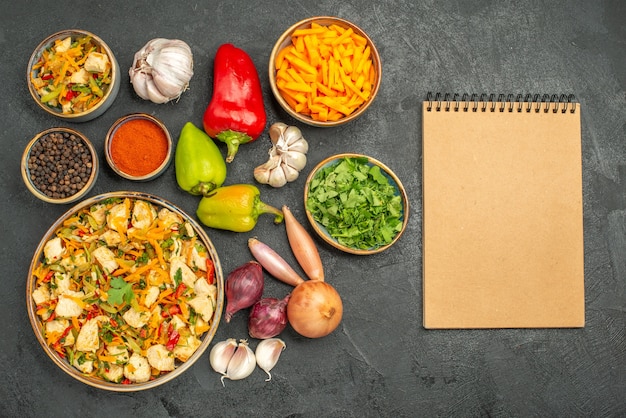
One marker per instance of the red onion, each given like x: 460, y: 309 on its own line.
x: 268, y: 318
x: 244, y: 287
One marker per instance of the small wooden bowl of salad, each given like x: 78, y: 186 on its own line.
x: 356, y: 204
x: 73, y: 75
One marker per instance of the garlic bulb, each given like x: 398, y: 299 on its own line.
x: 161, y: 70
x: 287, y: 156
x: 267, y: 354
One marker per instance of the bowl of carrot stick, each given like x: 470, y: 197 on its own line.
x: 74, y: 75
x: 325, y: 71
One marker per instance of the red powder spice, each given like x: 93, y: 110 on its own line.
x: 138, y: 147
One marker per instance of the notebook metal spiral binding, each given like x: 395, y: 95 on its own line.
x: 483, y: 102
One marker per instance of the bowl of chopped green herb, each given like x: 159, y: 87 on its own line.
x: 356, y: 203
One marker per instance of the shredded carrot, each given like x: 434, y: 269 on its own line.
x: 321, y: 64
x: 201, y: 328
x: 109, y: 359
x: 164, y: 294
x: 41, y: 311
x: 52, y: 337
x: 77, y: 300
x: 140, y: 271
x: 158, y: 250
x: 184, y: 309
x: 155, y: 233
x: 154, y: 323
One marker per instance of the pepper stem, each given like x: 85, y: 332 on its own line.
x: 262, y: 207
x: 232, y: 140
x: 203, y: 188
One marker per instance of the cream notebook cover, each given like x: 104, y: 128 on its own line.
x: 502, y: 213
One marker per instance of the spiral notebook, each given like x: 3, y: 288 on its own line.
x: 502, y: 212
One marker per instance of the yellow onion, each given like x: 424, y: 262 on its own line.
x: 314, y: 309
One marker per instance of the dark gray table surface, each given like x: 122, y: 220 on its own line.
x: 380, y: 361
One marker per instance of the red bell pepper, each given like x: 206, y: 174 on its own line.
x: 236, y: 113
x: 171, y: 311
x: 179, y: 290
x: 173, y: 337
x: 210, y: 271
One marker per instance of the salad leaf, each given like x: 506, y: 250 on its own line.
x: 120, y: 292
x: 356, y: 203
x: 178, y: 277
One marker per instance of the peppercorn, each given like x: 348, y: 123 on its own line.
x: 59, y: 164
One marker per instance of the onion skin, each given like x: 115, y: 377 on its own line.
x: 274, y: 263
x: 315, y: 309
x: 303, y: 246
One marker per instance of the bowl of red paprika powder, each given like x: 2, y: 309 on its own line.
x: 138, y: 147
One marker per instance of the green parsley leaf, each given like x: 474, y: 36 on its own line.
x: 120, y: 292
x: 178, y: 277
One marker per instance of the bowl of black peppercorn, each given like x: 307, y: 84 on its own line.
x: 59, y: 165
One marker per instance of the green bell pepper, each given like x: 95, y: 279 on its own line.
x: 200, y: 166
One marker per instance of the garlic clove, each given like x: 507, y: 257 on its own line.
x: 276, y: 131
x: 167, y: 83
x: 172, y: 70
x: 299, y: 145
x: 262, y: 172
x: 281, y: 145
x: 291, y: 173
x: 295, y: 159
x: 154, y: 95
x: 139, y: 79
x: 221, y: 353
x: 241, y: 364
x: 267, y: 354
x: 277, y: 177
x: 292, y: 134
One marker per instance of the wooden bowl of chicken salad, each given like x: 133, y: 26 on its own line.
x: 125, y: 291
